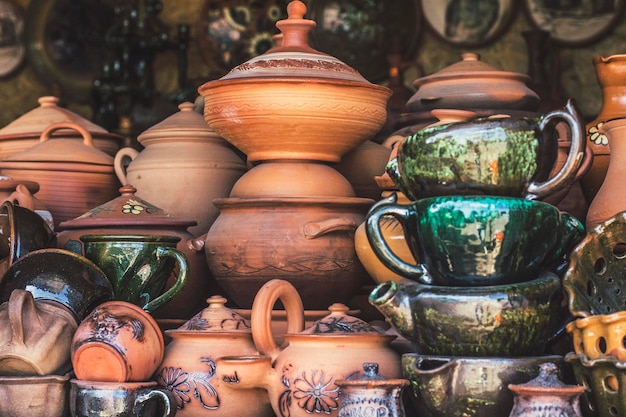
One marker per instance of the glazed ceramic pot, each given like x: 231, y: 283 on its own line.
x: 184, y: 166
x: 599, y: 335
x: 74, y: 177
x: 25, y: 131
x: 138, y: 266
x: 508, y: 156
x: 444, y: 386
x: 475, y: 240
x: 34, y: 396
x: 293, y: 97
x: 307, y: 241
x: 130, y: 399
x: 610, y: 71
x: 34, y: 336
x: 131, y: 215
x: 190, y: 360
x: 300, y: 378
x: 499, y: 320
x: 60, y: 276
x: 117, y: 342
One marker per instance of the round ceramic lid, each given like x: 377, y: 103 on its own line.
x: 340, y: 322
x: 216, y: 318
x: 126, y: 210
x: 294, y: 57
x: 187, y: 123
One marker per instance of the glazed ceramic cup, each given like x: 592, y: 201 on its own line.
x: 474, y: 240
x: 117, y: 342
x: 131, y: 399
x: 139, y: 266
x: 509, y: 156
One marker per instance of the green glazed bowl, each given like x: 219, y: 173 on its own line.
x: 508, y: 156
x: 474, y: 240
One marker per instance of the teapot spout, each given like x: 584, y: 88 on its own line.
x: 393, y: 300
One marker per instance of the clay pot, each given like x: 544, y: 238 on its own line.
x: 300, y: 378
x: 74, y: 177
x: 599, y: 335
x: 184, y: 166
x: 117, y: 342
x: 190, y: 361
x: 128, y: 214
x: 25, y: 131
x: 361, y: 166
x: 34, y: 336
x: 303, y: 103
x: 34, y: 396
x: 306, y: 241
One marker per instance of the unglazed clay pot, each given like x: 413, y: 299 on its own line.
x: 190, y: 359
x: 307, y: 241
x: 74, y: 177
x: 34, y: 396
x: 300, y: 378
x: 303, y: 104
x: 184, y: 166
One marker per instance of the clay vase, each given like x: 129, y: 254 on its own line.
x: 300, y: 377
x: 610, y: 200
x: 184, y: 166
x: 611, y: 73
x: 190, y: 359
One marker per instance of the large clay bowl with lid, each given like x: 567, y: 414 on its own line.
x: 294, y: 102
x: 25, y: 131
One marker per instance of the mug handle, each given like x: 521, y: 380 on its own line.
x: 159, y: 394
x: 119, y: 162
x: 181, y: 279
x: 567, y: 174
x: 385, y: 207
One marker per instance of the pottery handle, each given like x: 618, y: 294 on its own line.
x: 567, y: 174
x: 120, y: 164
x: 261, y: 315
x: 19, y: 302
x: 22, y: 197
x: 181, y: 279
x: 388, y: 207
x: 318, y: 229
x: 165, y: 396
x: 87, y: 139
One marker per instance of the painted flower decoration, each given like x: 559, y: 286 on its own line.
x: 177, y: 381
x: 316, y: 394
x: 132, y: 207
x: 596, y: 136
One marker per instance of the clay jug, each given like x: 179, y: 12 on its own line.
x: 190, y: 362
x: 300, y: 377
x: 610, y: 198
x: 611, y: 75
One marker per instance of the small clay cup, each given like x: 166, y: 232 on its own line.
x: 130, y: 399
x: 117, y: 342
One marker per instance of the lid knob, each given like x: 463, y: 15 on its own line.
x: 295, y: 29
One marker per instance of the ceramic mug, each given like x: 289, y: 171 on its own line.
x: 139, y: 266
x: 107, y: 399
x: 475, y: 240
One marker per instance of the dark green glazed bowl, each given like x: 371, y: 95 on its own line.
x: 474, y: 240
x: 509, y: 156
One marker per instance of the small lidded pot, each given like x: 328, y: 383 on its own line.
x: 190, y: 361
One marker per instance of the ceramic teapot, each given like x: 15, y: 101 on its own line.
x: 300, y: 377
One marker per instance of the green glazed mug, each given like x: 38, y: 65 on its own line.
x: 139, y: 266
x: 475, y: 240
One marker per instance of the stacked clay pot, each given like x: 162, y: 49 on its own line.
x: 293, y: 111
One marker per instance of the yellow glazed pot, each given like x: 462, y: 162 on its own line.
x: 599, y: 335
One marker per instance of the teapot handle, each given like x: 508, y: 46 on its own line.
x: 568, y: 171
x: 119, y: 162
x: 20, y: 301
x: 87, y: 139
x: 261, y: 315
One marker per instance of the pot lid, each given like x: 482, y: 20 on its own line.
x: 339, y: 322
x: 216, y: 318
x: 127, y: 210
x: 32, y: 123
x: 187, y: 123
x: 60, y: 149
x: 294, y: 57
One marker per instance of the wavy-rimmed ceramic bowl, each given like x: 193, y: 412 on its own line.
x: 34, y: 396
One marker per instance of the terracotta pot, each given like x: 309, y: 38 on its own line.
x: 184, y: 166
x: 34, y: 396
x: 128, y: 214
x: 190, y: 359
x: 300, y: 378
x: 25, y: 131
x: 74, y: 177
x: 306, y: 241
x: 303, y: 103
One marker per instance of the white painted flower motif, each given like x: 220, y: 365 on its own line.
x: 597, y: 136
